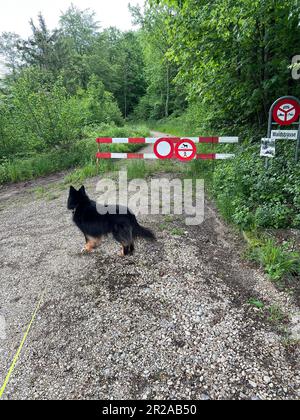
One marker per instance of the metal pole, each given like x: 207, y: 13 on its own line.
x: 270, y: 130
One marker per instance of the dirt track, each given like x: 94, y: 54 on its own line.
x: 172, y: 322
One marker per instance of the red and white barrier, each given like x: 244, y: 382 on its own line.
x: 183, y: 149
x: 149, y: 156
x: 151, y: 140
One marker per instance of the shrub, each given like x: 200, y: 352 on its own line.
x: 277, y: 260
x: 250, y: 196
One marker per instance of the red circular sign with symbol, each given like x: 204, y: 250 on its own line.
x: 164, y: 149
x: 286, y: 112
x: 185, y: 150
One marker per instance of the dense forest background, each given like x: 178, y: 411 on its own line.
x: 191, y: 67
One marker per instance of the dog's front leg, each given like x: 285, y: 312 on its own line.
x: 91, y: 245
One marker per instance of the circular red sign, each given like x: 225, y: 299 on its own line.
x: 286, y: 112
x: 185, y: 150
x: 164, y: 149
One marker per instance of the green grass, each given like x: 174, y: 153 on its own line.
x: 256, y: 303
x: 273, y: 313
x: 276, y: 315
x: 278, y: 261
x: 80, y: 155
x: 48, y: 193
x: 177, y: 232
x: 179, y: 126
x: 137, y: 169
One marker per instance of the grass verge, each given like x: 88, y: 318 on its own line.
x: 79, y: 155
x: 278, y: 261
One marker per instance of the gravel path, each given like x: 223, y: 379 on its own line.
x: 172, y: 322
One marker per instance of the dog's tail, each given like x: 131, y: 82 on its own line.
x: 142, y: 232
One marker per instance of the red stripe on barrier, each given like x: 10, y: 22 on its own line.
x: 136, y: 140
x: 211, y: 140
x: 174, y: 139
x: 103, y: 155
x: 135, y: 156
x: 210, y: 156
x: 105, y: 140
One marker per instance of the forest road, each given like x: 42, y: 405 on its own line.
x: 172, y: 322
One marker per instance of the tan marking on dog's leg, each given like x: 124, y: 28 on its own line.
x: 91, y: 245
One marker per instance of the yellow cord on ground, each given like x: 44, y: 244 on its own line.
x: 16, y: 358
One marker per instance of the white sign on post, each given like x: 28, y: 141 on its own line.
x: 268, y: 148
x: 285, y: 134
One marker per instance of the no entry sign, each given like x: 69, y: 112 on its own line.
x: 164, y: 149
x: 185, y: 150
x: 286, y: 112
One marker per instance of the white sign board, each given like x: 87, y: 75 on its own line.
x: 284, y: 134
x: 268, y: 148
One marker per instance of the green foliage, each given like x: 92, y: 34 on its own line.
x: 162, y: 98
x: 251, y: 196
x: 80, y: 154
x: 9, y: 48
x: 278, y: 261
x: 192, y: 122
x: 79, y: 28
x: 37, y: 114
x: 256, y: 303
x: 276, y: 315
x: 98, y: 105
x: 233, y: 57
x: 44, y: 49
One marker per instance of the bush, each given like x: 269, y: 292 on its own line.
x: 80, y: 154
x: 98, y: 105
x: 38, y: 114
x: 252, y: 197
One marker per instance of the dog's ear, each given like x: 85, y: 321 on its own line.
x: 82, y: 190
x: 73, y: 199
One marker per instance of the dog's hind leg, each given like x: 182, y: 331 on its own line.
x: 127, y: 250
x: 132, y: 248
x: 123, y: 235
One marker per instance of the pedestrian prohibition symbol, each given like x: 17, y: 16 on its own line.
x: 185, y: 150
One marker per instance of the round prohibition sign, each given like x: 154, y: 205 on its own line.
x: 164, y: 149
x: 185, y: 150
x: 286, y: 112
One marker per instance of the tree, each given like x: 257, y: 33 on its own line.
x: 9, y: 49
x: 45, y: 49
x: 233, y: 57
x: 159, y: 69
x: 80, y: 28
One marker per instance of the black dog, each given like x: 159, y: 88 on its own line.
x: 124, y: 227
